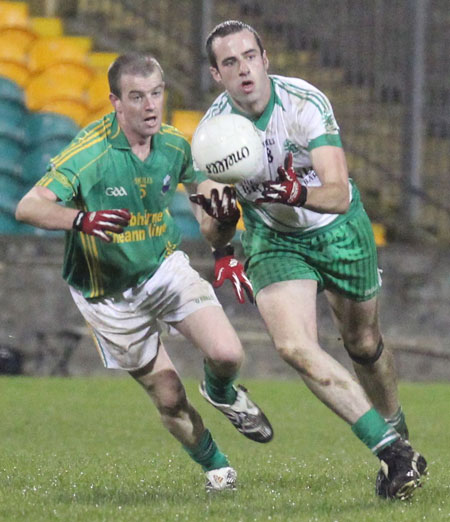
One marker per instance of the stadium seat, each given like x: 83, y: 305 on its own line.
x: 12, y: 130
x: 186, y: 121
x: 36, y: 160
x: 14, y: 14
x: 98, y: 92
x: 75, y: 109
x: 11, y: 150
x: 100, y: 61
x: 48, y: 87
x: 10, y: 90
x: 12, y: 111
x: 47, y: 26
x: 47, y: 51
x: 14, y: 44
x: 99, y: 113
x: 76, y: 73
x: 11, y: 190
x: 182, y: 213
x: 8, y: 223
x: 15, y: 71
x: 20, y: 37
x: 42, y: 126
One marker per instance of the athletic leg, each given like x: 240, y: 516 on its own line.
x: 373, y: 361
x: 161, y: 381
x: 289, y: 312
x: 211, y: 332
x: 374, y: 364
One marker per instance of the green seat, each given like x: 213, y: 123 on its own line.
x: 10, y: 90
x: 43, y: 126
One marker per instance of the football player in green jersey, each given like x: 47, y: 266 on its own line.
x: 123, y: 266
x: 305, y: 231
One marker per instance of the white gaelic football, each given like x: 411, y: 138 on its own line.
x: 227, y: 148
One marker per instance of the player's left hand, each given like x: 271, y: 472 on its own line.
x: 225, y: 210
x: 287, y: 189
x: 228, y: 267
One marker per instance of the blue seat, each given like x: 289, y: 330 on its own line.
x: 11, y: 190
x: 10, y: 149
x: 36, y: 160
x: 181, y: 211
x: 10, y: 226
x: 12, y: 130
x: 10, y: 90
x: 43, y: 126
x: 12, y: 111
x: 8, y: 223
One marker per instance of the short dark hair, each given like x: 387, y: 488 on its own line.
x: 136, y: 63
x: 225, y: 29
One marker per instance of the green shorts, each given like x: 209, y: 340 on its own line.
x: 341, y: 256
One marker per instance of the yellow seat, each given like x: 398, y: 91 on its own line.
x: 100, y: 61
x: 47, y: 26
x: 98, y: 113
x: 78, y: 73
x: 47, y: 51
x: 11, y: 52
x: 186, y: 121
x: 77, y: 110
x: 98, y: 92
x: 45, y: 88
x: 14, y: 14
x: 83, y: 42
x: 379, y: 232
x: 19, y: 37
x: 15, y: 71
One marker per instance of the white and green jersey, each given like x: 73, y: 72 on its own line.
x: 297, y: 119
x: 99, y: 171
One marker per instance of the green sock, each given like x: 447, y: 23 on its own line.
x: 374, y: 431
x: 220, y: 389
x: 398, y: 422
x: 207, y: 454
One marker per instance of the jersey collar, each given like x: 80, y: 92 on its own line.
x: 118, y: 139
x: 116, y: 136
x: 262, y: 121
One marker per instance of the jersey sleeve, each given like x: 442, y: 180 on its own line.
x: 318, y: 122
x: 61, y: 180
x: 190, y: 173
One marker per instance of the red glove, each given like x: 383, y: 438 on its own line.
x: 287, y: 190
x: 97, y: 223
x: 225, y: 210
x: 228, y: 267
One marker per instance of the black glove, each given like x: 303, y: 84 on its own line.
x: 225, y: 210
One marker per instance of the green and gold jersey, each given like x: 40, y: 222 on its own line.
x: 98, y: 171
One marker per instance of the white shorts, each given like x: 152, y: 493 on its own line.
x: 127, y: 325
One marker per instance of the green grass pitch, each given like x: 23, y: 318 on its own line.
x: 93, y: 449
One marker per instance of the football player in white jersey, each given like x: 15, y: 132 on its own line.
x: 306, y: 231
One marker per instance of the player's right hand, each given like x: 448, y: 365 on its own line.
x: 102, y: 221
x: 225, y: 210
